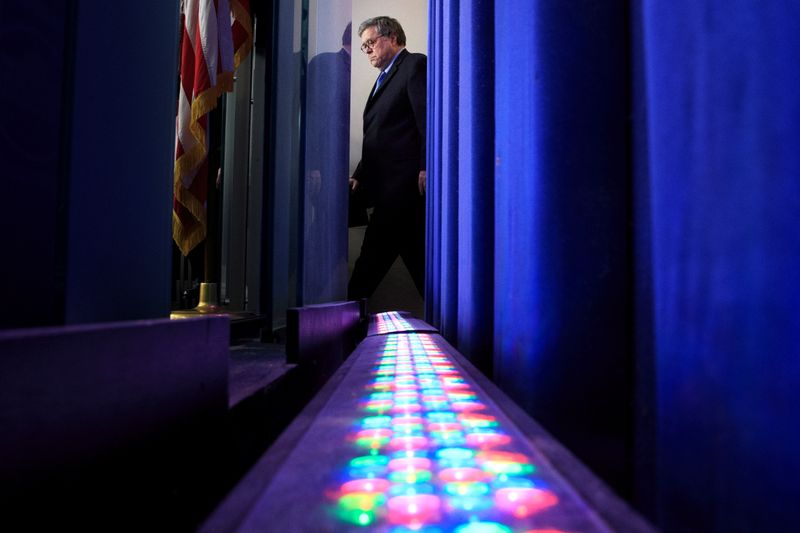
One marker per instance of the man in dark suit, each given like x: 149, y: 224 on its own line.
x: 391, y: 174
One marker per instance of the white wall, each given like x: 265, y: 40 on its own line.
x: 413, y: 16
x: 326, y: 22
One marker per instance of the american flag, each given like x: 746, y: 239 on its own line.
x: 217, y: 36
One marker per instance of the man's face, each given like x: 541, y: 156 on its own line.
x: 379, y: 49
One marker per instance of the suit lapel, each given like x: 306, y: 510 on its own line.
x: 392, y: 73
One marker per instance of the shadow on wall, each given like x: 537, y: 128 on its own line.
x: 396, y: 292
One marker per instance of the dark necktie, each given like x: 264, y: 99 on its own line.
x: 381, y: 77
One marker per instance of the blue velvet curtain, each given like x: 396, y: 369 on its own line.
x: 443, y: 217
x: 461, y: 193
x: 528, y: 236
x: 433, y: 284
x: 561, y: 284
x: 619, y: 239
x: 475, y: 261
x: 721, y: 90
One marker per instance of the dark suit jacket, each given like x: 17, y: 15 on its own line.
x: 393, y: 151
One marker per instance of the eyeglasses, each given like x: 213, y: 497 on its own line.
x: 370, y: 44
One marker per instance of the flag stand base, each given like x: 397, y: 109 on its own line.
x: 208, y: 305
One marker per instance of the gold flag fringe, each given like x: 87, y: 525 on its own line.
x: 188, y: 237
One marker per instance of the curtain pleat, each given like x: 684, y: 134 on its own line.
x: 475, y: 258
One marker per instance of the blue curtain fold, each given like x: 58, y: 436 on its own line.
x: 449, y: 172
x: 475, y: 260
x: 443, y: 169
x: 433, y: 258
x: 614, y: 231
x: 528, y: 245
x: 721, y: 87
x: 460, y: 222
x: 562, y: 263
x: 528, y: 213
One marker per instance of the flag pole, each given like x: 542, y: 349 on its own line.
x: 208, y: 302
x: 209, y: 289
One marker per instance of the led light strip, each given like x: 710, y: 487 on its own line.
x: 391, y: 322
x: 430, y: 456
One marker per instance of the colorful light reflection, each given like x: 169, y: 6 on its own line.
x: 429, y: 455
x: 391, y: 322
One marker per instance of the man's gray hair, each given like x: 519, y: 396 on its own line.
x: 385, y: 26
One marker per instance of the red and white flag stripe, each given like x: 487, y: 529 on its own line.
x: 207, y: 65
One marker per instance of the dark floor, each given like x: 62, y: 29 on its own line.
x: 253, y: 367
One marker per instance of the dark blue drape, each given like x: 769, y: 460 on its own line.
x: 443, y: 226
x: 449, y: 172
x: 461, y: 168
x: 433, y: 284
x: 627, y: 236
x: 475, y: 260
x: 528, y: 247
x: 722, y: 90
x: 561, y: 223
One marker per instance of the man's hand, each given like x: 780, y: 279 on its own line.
x: 422, y: 182
x: 353, y: 185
